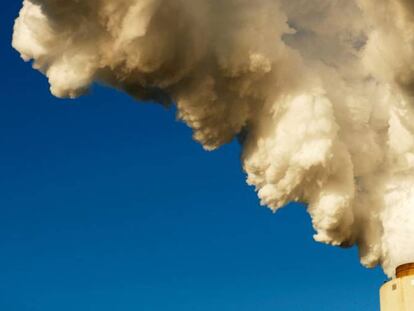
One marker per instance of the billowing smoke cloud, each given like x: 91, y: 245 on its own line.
x: 320, y: 93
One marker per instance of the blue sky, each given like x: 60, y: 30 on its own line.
x: 107, y: 204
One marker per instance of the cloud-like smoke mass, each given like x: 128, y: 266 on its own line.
x: 319, y: 92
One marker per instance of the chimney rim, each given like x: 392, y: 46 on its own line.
x: 405, y: 270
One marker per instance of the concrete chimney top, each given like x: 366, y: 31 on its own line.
x: 398, y: 294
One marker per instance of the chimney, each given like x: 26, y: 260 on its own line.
x: 398, y: 294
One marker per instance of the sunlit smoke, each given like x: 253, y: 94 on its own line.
x: 321, y: 90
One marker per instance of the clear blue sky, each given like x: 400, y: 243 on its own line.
x: 107, y: 204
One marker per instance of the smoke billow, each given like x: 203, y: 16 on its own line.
x: 322, y: 93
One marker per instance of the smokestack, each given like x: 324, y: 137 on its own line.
x: 398, y: 294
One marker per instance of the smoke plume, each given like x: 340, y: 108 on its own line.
x: 320, y: 93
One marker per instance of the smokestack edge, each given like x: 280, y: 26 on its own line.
x: 405, y: 270
x: 398, y: 293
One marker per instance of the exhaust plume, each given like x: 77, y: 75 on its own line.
x: 321, y: 94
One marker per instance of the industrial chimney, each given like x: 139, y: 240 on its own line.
x: 398, y: 294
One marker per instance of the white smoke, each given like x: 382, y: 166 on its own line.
x: 321, y: 93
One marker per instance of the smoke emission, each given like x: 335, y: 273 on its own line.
x: 321, y: 90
